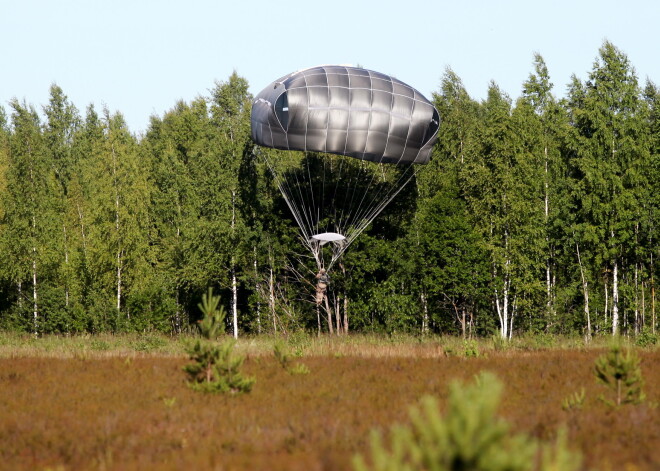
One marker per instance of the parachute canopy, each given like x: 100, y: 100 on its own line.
x: 347, y: 111
x: 368, y: 120
x: 328, y: 237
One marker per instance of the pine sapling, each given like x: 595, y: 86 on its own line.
x: 284, y: 359
x: 470, y: 436
x: 215, y: 368
x: 621, y: 373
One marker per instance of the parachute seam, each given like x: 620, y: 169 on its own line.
x: 327, y: 115
x: 307, y: 114
x: 410, y: 125
x: 389, y: 120
x: 348, y: 121
x: 371, y: 105
x: 425, y: 102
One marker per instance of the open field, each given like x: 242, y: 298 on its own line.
x: 117, y: 404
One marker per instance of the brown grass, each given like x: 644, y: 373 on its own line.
x: 132, y: 412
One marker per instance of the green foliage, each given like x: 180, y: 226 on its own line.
x: 468, y: 437
x: 646, y: 338
x: 621, y: 374
x: 470, y: 348
x: 281, y: 356
x: 215, y: 368
x: 212, y: 324
x: 574, y: 401
x: 102, y: 231
x: 148, y: 343
x: 284, y: 359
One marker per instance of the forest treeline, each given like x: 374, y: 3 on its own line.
x: 538, y: 214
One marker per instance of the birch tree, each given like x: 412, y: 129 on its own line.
x: 544, y: 124
x: 230, y: 106
x: 119, y: 233
x: 30, y: 212
x: 501, y: 183
x: 61, y: 124
x: 610, y: 149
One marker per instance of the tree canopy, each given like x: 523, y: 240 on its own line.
x: 536, y: 213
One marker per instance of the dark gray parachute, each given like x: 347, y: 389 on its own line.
x: 352, y: 125
x: 347, y: 111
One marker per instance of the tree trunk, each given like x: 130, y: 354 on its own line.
x: 329, y: 314
x: 425, y: 311
x: 66, y: 268
x: 257, y: 289
x: 234, y: 299
x: 271, y: 299
x: 82, y: 231
x: 585, y: 290
x: 35, y: 306
x: 345, y: 314
x: 502, y: 306
x: 117, y: 228
x: 615, y: 299
x: 636, y: 313
x: 548, y: 260
x: 234, y: 284
x: 653, y: 320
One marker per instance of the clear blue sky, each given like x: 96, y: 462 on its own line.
x: 139, y: 57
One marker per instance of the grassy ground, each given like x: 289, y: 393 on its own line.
x: 122, y: 403
x: 14, y: 345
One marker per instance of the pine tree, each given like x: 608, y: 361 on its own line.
x: 215, y: 368
x: 469, y: 436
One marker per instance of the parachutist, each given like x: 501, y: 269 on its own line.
x: 321, y: 285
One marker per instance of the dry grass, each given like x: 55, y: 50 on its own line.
x: 133, y: 410
x: 14, y: 345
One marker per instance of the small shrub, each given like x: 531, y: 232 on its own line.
x: 99, y: 345
x: 500, y: 344
x: 544, y: 340
x: 621, y: 373
x: 468, y: 437
x: 281, y: 355
x: 148, y: 343
x: 574, y: 401
x: 284, y: 359
x: 215, y: 368
x: 470, y: 348
x: 299, y: 369
x: 299, y: 342
x: 646, y: 338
